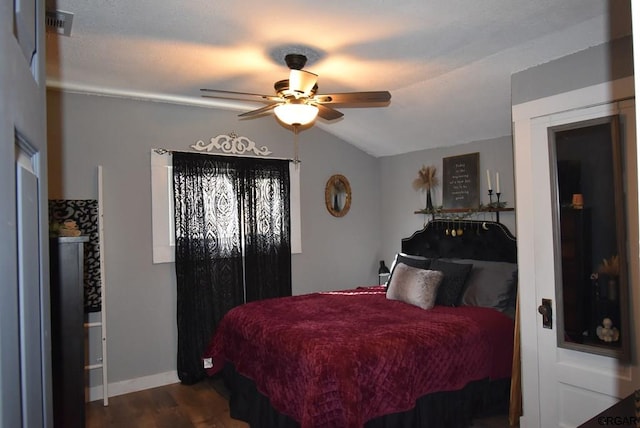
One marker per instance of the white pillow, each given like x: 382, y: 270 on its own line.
x: 418, y: 287
x: 409, y: 260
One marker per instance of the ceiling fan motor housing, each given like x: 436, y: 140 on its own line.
x: 295, y: 61
x: 282, y: 88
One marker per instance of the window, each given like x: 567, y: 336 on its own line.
x: 163, y: 209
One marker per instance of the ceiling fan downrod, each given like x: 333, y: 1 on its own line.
x: 295, y: 61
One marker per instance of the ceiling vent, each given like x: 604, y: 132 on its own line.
x: 58, y: 22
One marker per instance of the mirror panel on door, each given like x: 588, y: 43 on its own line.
x: 590, y: 237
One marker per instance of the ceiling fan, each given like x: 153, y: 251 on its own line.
x: 297, y: 102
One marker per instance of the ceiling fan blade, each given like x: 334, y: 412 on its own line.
x: 259, y: 111
x: 328, y: 113
x: 302, y: 81
x: 354, y: 97
x: 244, y: 94
x: 217, y: 97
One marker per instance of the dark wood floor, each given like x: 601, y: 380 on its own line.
x: 182, y: 406
x: 171, y: 406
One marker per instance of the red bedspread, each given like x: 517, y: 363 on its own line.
x: 340, y: 359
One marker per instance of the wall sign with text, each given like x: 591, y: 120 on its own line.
x: 460, y: 187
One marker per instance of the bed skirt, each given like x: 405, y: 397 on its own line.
x: 451, y: 409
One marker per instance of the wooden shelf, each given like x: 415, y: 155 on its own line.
x: 435, y: 213
x: 463, y: 210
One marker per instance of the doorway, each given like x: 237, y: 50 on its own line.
x: 565, y: 387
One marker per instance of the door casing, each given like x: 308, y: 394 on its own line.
x: 564, y: 387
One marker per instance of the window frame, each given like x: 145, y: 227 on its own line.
x: 162, y: 206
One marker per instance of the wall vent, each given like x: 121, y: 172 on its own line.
x: 58, y: 22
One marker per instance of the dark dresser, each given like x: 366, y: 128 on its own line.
x: 67, y: 330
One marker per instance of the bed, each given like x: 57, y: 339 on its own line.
x: 375, y: 356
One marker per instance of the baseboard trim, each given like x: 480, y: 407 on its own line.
x: 133, y: 385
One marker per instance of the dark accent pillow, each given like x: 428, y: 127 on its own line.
x: 409, y: 260
x: 491, y: 284
x: 418, y: 287
x: 455, y: 276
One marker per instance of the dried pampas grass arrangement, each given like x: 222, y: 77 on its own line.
x: 426, y: 179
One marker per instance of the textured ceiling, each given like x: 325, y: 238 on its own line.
x: 447, y: 63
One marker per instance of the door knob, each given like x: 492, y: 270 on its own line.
x: 546, y: 312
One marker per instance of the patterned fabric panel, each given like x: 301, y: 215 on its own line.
x: 85, y: 213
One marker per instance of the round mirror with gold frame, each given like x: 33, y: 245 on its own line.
x: 337, y: 195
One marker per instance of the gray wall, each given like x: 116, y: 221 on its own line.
x: 86, y: 131
x: 598, y: 64
x: 399, y: 200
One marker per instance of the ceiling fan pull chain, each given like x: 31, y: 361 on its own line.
x: 296, y: 157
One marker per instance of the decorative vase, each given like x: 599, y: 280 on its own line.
x: 429, y: 202
x: 607, y: 286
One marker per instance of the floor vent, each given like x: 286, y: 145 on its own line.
x: 58, y: 22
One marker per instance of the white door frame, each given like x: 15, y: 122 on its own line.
x: 531, y: 243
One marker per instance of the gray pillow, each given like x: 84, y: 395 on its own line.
x: 418, y: 287
x: 490, y: 284
x: 409, y: 260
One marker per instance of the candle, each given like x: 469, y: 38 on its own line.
x: 497, y: 182
x: 488, y: 180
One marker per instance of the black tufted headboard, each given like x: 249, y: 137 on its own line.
x: 480, y: 240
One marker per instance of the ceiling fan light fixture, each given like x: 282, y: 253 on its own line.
x: 302, y: 81
x: 296, y: 113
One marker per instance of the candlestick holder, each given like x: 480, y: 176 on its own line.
x: 498, y: 207
x: 490, y: 199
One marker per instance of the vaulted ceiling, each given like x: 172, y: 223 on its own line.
x: 447, y: 63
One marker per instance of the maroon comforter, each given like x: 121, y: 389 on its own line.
x: 339, y: 359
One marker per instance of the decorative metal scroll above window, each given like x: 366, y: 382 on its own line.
x: 231, y: 144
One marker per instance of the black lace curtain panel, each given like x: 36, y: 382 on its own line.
x: 232, y: 243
